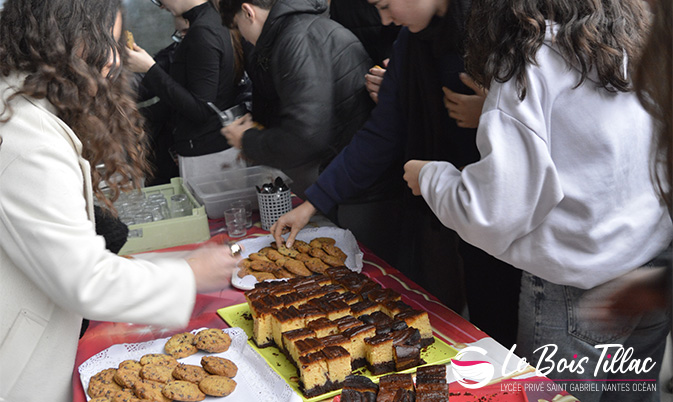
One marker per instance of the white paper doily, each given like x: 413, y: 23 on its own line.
x: 255, y: 380
x: 344, y: 240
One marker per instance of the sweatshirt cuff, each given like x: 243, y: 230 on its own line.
x: 320, y: 199
x: 251, y: 141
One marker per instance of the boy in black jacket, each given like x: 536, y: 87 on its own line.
x: 308, y: 82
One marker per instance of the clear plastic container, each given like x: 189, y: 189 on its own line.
x: 218, y: 191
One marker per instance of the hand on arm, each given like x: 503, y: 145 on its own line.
x: 293, y: 221
x: 465, y: 109
x: 412, y: 170
x: 234, y: 132
x: 374, y: 78
x: 139, y: 61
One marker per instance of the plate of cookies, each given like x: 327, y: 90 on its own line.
x: 314, y: 251
x: 208, y: 364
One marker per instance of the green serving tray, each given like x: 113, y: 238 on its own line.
x: 239, y: 316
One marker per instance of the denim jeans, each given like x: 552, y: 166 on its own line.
x: 551, y: 314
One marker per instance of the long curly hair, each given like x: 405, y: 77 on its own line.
x: 504, y: 36
x: 62, y: 46
x: 654, y: 85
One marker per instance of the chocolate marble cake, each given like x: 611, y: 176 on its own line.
x: 330, y: 324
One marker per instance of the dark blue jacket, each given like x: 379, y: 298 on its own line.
x: 381, y: 143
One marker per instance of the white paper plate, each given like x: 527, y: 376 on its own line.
x: 255, y: 380
x: 344, y: 240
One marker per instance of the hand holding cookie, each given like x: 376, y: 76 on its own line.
x: 138, y: 60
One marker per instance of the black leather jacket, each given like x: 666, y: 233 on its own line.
x: 308, y: 82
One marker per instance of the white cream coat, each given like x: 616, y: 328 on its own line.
x: 54, y: 269
x: 563, y: 188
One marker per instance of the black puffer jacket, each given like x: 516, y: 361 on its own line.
x: 309, y: 90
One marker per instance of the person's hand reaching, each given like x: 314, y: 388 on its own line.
x: 213, y: 266
x: 293, y: 221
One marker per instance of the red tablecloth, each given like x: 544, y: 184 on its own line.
x: 447, y: 325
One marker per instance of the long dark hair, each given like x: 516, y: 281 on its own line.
x: 654, y: 86
x: 62, y: 46
x: 504, y: 36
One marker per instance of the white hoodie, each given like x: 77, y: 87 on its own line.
x: 563, y: 189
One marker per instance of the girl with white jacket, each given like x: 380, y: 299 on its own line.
x: 65, y: 107
x: 563, y: 188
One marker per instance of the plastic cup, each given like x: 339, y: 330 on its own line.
x: 247, y: 206
x: 180, y: 206
x: 235, y: 220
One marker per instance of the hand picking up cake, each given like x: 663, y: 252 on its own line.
x: 330, y: 324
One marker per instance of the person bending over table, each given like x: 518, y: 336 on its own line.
x: 411, y: 121
x: 308, y: 88
x: 66, y: 107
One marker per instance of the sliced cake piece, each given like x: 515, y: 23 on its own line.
x: 335, y: 273
x: 358, y: 389
x: 382, y: 295
x: 418, y: 319
x: 291, y: 299
x: 390, y: 384
x: 380, y: 320
x: 364, y: 307
x: 404, y: 395
x: 323, y: 327
x: 431, y: 385
x: 334, y: 340
x: 379, y: 353
x: 349, y: 298
x: 331, y: 288
x: 357, y: 336
x: 313, y: 374
x: 304, y: 347
x: 335, y: 309
x: 262, y: 329
x: 318, y: 292
x: 283, y: 320
x: 305, y: 285
x: 368, y: 288
x: 311, y: 312
x: 353, y: 282
x: 433, y: 373
x: 393, y: 308
x: 407, y: 349
x: 347, y: 322
x: 267, y: 302
x: 338, y: 365
x: 432, y: 392
x: 281, y: 288
x: 290, y: 338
